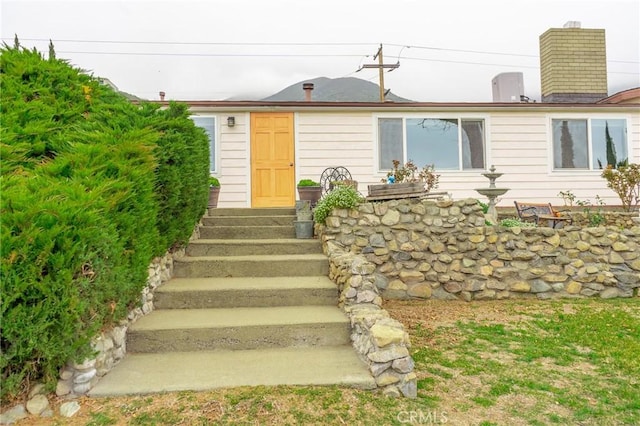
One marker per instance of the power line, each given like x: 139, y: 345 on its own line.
x: 195, y: 43
x: 493, y: 64
x: 486, y: 52
x: 239, y: 55
x: 307, y: 44
x: 303, y: 55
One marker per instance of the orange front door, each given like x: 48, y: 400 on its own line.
x: 272, y: 168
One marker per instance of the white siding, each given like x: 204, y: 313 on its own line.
x: 335, y: 139
x: 518, y: 144
x: 234, y: 172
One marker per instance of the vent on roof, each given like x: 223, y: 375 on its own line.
x: 508, y: 87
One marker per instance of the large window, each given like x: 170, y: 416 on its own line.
x: 208, y: 123
x: 588, y: 144
x: 447, y: 143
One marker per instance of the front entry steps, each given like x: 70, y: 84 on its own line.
x: 245, y: 307
x: 206, y: 370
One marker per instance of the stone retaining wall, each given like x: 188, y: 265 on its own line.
x: 379, y: 340
x: 443, y: 250
x: 110, y: 346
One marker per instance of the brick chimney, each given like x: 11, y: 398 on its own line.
x: 308, y: 88
x: 573, y: 64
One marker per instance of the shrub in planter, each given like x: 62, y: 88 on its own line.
x: 214, y: 191
x: 309, y: 190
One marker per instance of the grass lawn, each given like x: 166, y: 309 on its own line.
x: 481, y: 363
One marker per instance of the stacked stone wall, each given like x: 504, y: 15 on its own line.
x: 380, y: 341
x: 444, y: 250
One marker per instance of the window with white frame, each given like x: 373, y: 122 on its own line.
x: 447, y: 143
x: 588, y: 143
x: 208, y: 123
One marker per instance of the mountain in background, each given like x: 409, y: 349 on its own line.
x: 345, y: 89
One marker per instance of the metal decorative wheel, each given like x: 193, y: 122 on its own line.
x: 331, y: 175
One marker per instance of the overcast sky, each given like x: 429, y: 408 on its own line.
x: 228, y: 48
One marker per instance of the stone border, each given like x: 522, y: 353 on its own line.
x: 110, y: 347
x: 77, y: 379
x: 379, y: 340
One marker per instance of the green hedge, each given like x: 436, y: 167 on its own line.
x: 92, y: 188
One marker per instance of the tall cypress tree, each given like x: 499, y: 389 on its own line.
x: 566, y: 146
x: 612, y: 159
x: 52, y: 51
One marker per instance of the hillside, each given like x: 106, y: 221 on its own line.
x: 345, y: 89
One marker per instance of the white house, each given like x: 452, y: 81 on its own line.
x: 260, y: 150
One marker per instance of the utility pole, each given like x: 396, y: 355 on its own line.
x: 381, y: 66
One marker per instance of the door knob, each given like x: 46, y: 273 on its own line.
x: 291, y: 164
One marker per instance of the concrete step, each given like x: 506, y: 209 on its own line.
x: 283, y: 220
x: 206, y: 370
x: 212, y: 247
x: 248, y: 232
x: 251, y: 266
x: 193, y: 293
x: 272, y: 211
x: 175, y: 330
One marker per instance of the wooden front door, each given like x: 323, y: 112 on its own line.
x: 272, y: 156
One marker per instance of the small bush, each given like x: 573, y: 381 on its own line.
x: 341, y: 197
x: 484, y: 206
x: 516, y: 223
x: 624, y: 181
x: 213, y: 181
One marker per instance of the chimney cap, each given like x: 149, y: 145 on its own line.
x: 307, y: 86
x: 572, y: 24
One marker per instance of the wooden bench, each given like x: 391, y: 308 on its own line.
x: 537, y: 212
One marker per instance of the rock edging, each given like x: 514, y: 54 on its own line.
x: 77, y: 379
x: 380, y: 341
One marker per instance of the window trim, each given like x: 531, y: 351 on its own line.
x: 216, y: 142
x: 431, y: 115
x: 588, y: 117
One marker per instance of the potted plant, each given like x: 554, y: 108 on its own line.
x: 309, y: 190
x: 409, y: 173
x: 406, y: 180
x: 214, y: 191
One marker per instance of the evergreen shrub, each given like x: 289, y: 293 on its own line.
x: 92, y: 187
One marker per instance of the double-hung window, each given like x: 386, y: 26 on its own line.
x: 588, y: 143
x: 208, y: 123
x: 447, y: 143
